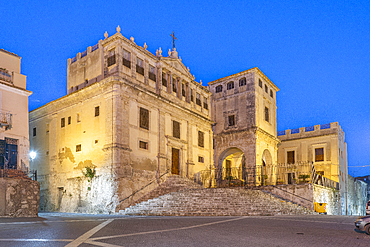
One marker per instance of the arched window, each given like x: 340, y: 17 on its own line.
x: 219, y: 88
x: 230, y: 85
x: 242, y: 82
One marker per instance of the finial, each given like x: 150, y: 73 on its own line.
x: 180, y: 59
x: 132, y: 39
x: 145, y: 46
x: 200, y: 81
x: 106, y: 34
x: 118, y: 29
x: 188, y: 68
x: 169, y: 52
x: 160, y: 51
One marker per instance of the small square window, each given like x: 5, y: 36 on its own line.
x: 219, y: 89
x: 69, y: 120
x: 97, y: 111
x: 260, y: 83
x: 96, y: 141
x: 62, y: 122
x: 266, y: 89
x: 78, y: 148
x: 200, y: 159
x: 34, y: 132
x: 271, y: 93
x: 232, y: 120
x: 143, y: 145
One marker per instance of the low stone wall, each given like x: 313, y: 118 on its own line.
x: 299, y: 193
x: 19, y: 197
x: 329, y: 196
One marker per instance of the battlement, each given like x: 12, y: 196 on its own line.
x: 311, y: 131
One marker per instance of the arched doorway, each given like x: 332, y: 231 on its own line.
x: 231, y: 166
x: 267, y: 169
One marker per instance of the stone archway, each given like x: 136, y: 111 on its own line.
x: 267, y: 169
x: 231, y: 166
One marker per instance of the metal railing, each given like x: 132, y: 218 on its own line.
x: 271, y: 174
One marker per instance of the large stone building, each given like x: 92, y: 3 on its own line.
x: 14, y: 136
x: 244, y: 110
x: 129, y: 119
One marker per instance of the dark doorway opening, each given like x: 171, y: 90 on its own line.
x: 175, y: 161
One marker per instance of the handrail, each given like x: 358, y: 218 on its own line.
x: 143, y: 187
x: 290, y: 193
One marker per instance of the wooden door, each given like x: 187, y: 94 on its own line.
x: 175, y: 161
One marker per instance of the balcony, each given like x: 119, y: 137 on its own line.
x: 5, y: 120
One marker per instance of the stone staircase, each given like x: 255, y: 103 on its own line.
x: 181, y: 197
x: 173, y: 183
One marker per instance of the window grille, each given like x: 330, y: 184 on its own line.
x: 242, y: 82
x: 219, y: 88
x: 230, y: 85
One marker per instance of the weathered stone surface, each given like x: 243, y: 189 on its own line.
x: 215, y: 202
x: 19, y: 197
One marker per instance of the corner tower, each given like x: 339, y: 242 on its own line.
x: 245, y: 136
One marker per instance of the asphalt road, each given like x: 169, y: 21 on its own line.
x: 54, y: 229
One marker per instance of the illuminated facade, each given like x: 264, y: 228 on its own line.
x: 129, y: 119
x: 322, y: 146
x: 244, y: 109
x: 14, y: 136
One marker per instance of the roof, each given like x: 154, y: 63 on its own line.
x: 11, y: 53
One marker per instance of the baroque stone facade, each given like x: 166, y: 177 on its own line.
x: 130, y: 119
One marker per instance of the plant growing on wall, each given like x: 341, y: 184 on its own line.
x: 90, y: 174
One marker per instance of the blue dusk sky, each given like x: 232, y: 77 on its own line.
x: 316, y: 52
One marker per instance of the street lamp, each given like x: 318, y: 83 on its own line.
x: 32, y: 155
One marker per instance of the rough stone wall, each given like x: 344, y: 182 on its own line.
x: 19, y: 197
x: 330, y: 196
x: 356, y: 197
x: 301, y: 194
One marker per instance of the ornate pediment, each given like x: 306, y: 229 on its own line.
x: 173, y: 61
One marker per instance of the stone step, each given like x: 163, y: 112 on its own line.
x: 212, y: 202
